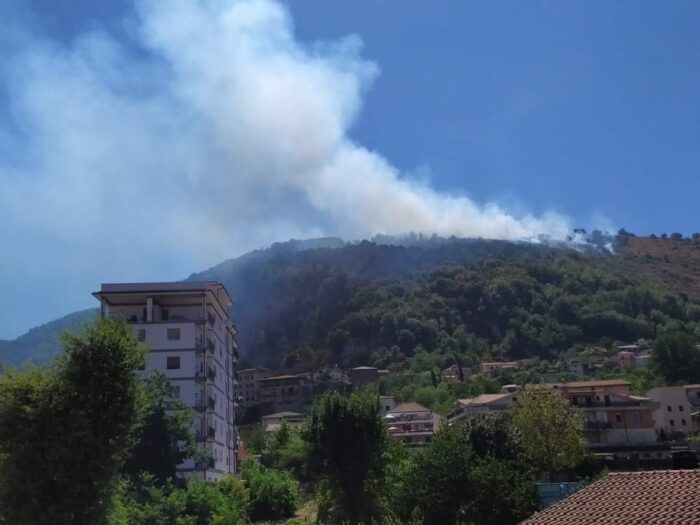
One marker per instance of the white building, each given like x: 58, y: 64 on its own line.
x: 191, y: 339
x: 673, y: 417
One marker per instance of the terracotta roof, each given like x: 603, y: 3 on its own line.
x: 408, y: 407
x: 601, y: 382
x: 484, y: 399
x: 661, y: 497
x: 282, y: 414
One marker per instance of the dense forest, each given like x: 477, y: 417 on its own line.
x: 327, y: 301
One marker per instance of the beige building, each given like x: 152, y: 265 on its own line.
x: 484, y: 403
x: 192, y: 341
x: 273, y: 422
x: 284, y: 393
x: 673, y: 416
x: 493, y: 369
x: 612, y: 415
x: 412, y: 424
x: 247, y: 388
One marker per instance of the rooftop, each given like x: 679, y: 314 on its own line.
x: 600, y: 382
x: 662, y: 497
x: 484, y: 399
x: 409, y: 407
x: 278, y: 415
x: 167, y: 288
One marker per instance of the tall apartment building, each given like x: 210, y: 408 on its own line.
x: 192, y: 341
x: 248, y: 388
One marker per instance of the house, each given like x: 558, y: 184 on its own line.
x: 273, y: 422
x: 673, y: 416
x: 632, y: 356
x: 661, y: 497
x: 192, y: 341
x: 493, y: 369
x: 387, y: 403
x: 612, y: 416
x: 484, y: 403
x: 247, y: 385
x: 283, y: 393
x: 412, y: 424
x: 451, y: 373
x: 362, y: 375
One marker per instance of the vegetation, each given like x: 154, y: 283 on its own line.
x: 64, y: 430
x: 551, y: 429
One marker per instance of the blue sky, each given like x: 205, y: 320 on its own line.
x: 533, y: 116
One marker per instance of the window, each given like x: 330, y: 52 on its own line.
x: 673, y: 423
x: 680, y: 408
x: 683, y: 422
x: 173, y: 363
x: 173, y: 334
x: 618, y: 418
x: 636, y: 417
x: 164, y: 314
x: 141, y: 335
x: 175, y: 391
x: 668, y: 408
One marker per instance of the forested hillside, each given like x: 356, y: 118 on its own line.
x: 327, y: 301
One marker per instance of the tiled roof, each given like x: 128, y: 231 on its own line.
x: 408, y: 407
x: 483, y: 399
x: 601, y: 382
x: 662, y: 497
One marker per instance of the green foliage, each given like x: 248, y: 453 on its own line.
x: 347, y: 444
x: 64, y: 431
x: 273, y: 495
x: 163, y: 436
x: 551, y: 429
x: 450, y: 483
x: 197, y: 502
x: 676, y: 357
x: 286, y: 450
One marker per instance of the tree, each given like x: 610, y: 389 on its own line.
x: 551, y: 429
x: 163, y: 436
x: 273, y: 494
x: 491, y: 434
x: 676, y: 357
x: 64, y: 431
x: 450, y: 483
x: 347, y: 441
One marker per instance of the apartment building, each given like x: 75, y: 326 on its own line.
x: 484, y: 403
x: 612, y: 415
x: 451, y: 374
x: 247, y: 392
x: 673, y: 416
x: 285, y: 393
x: 412, y: 424
x: 493, y: 369
x: 192, y: 341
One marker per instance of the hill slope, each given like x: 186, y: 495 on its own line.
x: 326, y: 300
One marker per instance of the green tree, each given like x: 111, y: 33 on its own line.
x: 64, y: 431
x: 676, y: 357
x: 450, y: 483
x: 273, y: 494
x: 551, y: 429
x: 347, y: 442
x: 163, y: 436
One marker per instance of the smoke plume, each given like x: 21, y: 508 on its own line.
x: 210, y: 132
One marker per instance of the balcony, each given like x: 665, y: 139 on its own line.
x: 211, y: 402
x: 211, y: 432
x: 597, y: 425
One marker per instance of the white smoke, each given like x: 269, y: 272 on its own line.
x: 213, y: 132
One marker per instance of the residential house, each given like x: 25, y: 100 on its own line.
x: 362, y: 375
x: 412, y: 424
x: 451, y: 373
x: 387, y: 403
x: 493, y: 369
x: 673, y: 416
x: 192, y: 341
x: 613, y: 416
x: 273, y: 422
x: 283, y: 393
x: 484, y: 403
x: 661, y: 497
x: 247, y: 391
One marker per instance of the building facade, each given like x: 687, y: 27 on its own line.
x: 673, y: 416
x: 285, y: 393
x: 247, y: 393
x: 412, y: 424
x: 192, y: 341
